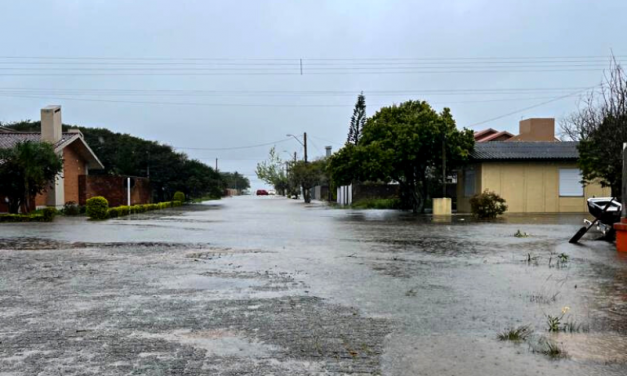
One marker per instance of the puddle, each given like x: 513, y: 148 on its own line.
x: 221, y: 343
x: 202, y: 282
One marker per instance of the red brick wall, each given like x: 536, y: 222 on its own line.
x: 73, y: 167
x: 112, y: 188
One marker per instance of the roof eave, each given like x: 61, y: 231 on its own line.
x: 92, y: 160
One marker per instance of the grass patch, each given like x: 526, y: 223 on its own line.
x: 520, y: 234
x: 517, y: 334
x: 574, y: 327
x: 551, y: 349
x: 206, y: 198
x: 377, y: 203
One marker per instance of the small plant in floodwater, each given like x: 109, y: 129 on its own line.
x: 551, y: 349
x: 554, y: 323
x: 562, y: 257
x: 543, y: 298
x: 575, y: 327
x: 520, y: 234
x: 520, y: 333
x: 532, y: 259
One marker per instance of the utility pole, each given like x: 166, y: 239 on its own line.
x: 305, y: 145
x: 443, y: 167
x: 216, y: 164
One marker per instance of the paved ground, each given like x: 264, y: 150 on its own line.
x: 271, y: 286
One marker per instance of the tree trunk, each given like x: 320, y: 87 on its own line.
x: 306, y: 195
x: 14, y: 205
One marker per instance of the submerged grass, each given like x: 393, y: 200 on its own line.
x: 551, y: 349
x: 520, y: 333
x: 575, y: 327
x: 377, y: 203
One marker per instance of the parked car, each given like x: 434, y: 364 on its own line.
x: 262, y: 192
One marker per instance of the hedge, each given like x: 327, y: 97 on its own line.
x: 121, y: 211
x: 43, y: 215
x: 22, y: 218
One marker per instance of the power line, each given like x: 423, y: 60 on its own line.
x: 235, y: 147
x: 126, y: 58
x: 298, y: 92
x: 317, y: 73
x: 526, y: 108
x: 258, y: 105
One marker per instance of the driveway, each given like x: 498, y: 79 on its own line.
x: 266, y: 285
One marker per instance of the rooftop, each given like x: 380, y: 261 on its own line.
x: 9, y: 139
x: 535, y: 150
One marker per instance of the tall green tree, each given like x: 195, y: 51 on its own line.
x: 26, y: 170
x: 403, y: 143
x: 357, y: 120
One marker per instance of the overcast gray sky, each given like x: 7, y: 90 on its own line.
x: 394, y: 51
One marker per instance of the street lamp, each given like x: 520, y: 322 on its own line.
x: 304, y: 142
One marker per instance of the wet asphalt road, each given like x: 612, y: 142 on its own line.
x: 272, y: 286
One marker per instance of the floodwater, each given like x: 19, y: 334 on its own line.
x: 265, y: 285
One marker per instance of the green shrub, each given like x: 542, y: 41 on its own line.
x: 33, y: 217
x: 487, y: 205
x: 49, y: 214
x: 179, y: 196
x: 97, y: 207
x: 71, y: 208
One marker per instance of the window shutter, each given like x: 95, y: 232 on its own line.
x: 570, y: 183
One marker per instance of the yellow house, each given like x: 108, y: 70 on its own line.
x: 532, y: 176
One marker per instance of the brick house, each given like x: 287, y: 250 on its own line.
x: 78, y: 159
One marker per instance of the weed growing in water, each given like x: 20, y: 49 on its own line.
x: 551, y: 349
x: 520, y: 333
x: 554, y: 323
x: 520, y: 234
x: 562, y: 257
x: 575, y: 327
x: 543, y: 298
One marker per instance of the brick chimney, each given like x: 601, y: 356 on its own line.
x: 536, y: 129
x: 51, y: 130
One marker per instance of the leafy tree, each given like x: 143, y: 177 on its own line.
x: 307, y: 175
x: 235, y: 180
x: 403, y: 143
x: 272, y: 171
x: 600, y: 153
x: 357, y: 120
x: 600, y: 126
x: 26, y: 170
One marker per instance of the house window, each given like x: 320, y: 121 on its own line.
x: 570, y: 182
x: 469, y: 183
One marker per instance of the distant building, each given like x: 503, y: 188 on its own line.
x: 533, y: 171
x: 78, y: 158
x: 536, y: 129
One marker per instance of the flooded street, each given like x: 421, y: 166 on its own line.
x: 260, y: 286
